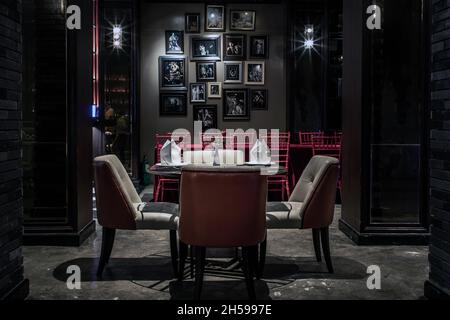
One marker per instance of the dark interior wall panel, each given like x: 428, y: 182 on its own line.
x: 11, y: 261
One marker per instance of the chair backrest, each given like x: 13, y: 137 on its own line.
x: 306, y: 138
x: 222, y: 207
x: 327, y: 146
x: 280, y: 150
x: 207, y: 157
x: 116, y: 197
x: 316, y: 189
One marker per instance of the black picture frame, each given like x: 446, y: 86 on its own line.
x: 258, y: 51
x: 204, y: 48
x: 177, y: 107
x: 206, y: 71
x: 174, y: 42
x: 234, y: 47
x: 239, y: 20
x: 192, y: 23
x: 258, y: 99
x: 172, y: 73
x: 233, y: 72
x: 217, y: 12
x: 198, y: 97
x: 235, y: 105
x: 255, y: 73
x: 207, y: 114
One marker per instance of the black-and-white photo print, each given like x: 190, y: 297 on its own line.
x: 206, y: 71
x: 242, y: 20
x: 214, y: 90
x: 207, y: 114
x: 235, y: 106
x: 254, y: 73
x: 192, y: 23
x: 172, y: 73
x: 234, y: 47
x: 198, y: 92
x: 173, y: 104
x: 214, y: 18
x: 174, y: 42
x: 259, y: 47
x: 205, y: 48
x: 232, y: 72
x: 258, y: 99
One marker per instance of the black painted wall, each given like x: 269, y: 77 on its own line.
x: 438, y: 285
x: 12, y: 283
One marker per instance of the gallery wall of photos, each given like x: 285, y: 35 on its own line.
x: 228, y: 37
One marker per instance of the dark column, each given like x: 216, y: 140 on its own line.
x: 438, y: 285
x: 61, y: 213
x: 12, y: 283
x: 384, y: 161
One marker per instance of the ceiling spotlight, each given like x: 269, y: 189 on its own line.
x: 117, y: 36
x: 309, y: 44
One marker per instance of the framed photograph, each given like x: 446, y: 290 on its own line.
x: 205, y: 48
x: 234, y: 47
x: 207, y: 114
x: 174, y: 42
x: 214, y: 90
x: 206, y: 71
x: 242, y: 20
x: 255, y: 73
x: 192, y: 23
x: 259, y: 47
x: 214, y: 18
x: 198, y: 92
x: 172, y: 71
x: 233, y: 72
x: 235, y: 105
x: 258, y: 99
x: 173, y: 104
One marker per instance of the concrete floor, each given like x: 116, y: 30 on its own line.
x: 140, y: 269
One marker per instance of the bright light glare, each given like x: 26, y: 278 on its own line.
x: 309, y: 44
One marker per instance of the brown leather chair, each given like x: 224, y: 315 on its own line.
x: 120, y: 207
x: 222, y: 208
x: 311, y: 206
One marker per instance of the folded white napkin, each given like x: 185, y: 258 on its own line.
x: 260, y: 153
x: 216, y: 156
x: 170, y: 153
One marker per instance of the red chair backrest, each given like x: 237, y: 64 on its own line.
x: 281, y: 148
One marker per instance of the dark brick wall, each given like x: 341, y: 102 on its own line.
x: 439, y: 283
x: 11, y: 261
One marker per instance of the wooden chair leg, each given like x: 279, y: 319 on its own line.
x: 174, y: 252
x: 262, y: 259
x: 200, y: 254
x: 108, y: 236
x: 248, y: 271
x: 183, y: 254
x: 325, y: 235
x: 316, y: 241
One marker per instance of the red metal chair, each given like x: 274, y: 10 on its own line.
x: 163, y: 185
x: 280, y: 155
x: 330, y: 146
x: 306, y: 138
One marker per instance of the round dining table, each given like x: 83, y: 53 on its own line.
x: 175, y: 172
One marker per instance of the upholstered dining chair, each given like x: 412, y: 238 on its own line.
x: 119, y: 207
x: 222, y: 208
x: 311, y: 206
